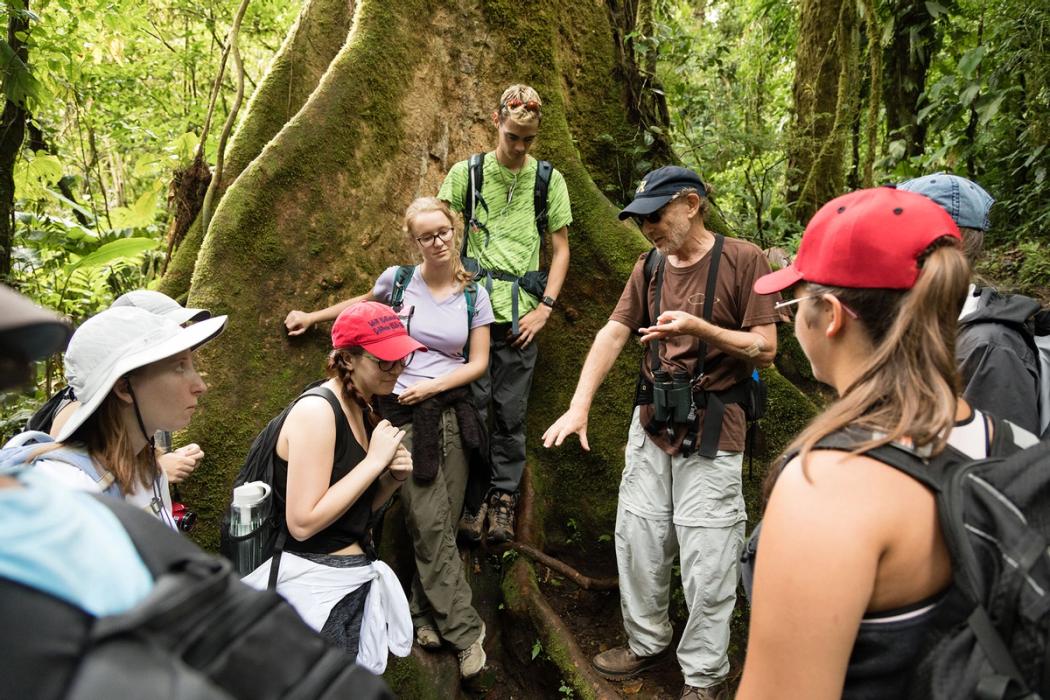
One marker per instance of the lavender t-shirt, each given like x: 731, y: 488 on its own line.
x: 440, y: 325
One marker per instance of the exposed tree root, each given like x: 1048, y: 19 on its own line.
x: 524, y: 596
x: 581, y: 580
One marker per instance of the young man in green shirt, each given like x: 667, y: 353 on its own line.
x: 504, y: 238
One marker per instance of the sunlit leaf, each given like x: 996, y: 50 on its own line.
x: 114, y: 251
x: 970, y: 60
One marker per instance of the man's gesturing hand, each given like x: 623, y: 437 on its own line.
x: 572, y: 421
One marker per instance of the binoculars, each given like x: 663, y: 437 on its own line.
x: 672, y: 396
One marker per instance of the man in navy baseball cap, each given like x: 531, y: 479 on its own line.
x: 659, y: 188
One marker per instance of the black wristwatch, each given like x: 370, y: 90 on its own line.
x: 548, y: 302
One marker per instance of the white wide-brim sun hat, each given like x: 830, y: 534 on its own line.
x: 117, y: 341
x: 160, y: 304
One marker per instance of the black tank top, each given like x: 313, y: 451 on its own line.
x: 353, y: 525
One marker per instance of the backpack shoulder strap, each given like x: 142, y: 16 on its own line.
x: 654, y: 347
x: 895, y: 455
x: 30, y: 440
x: 544, y: 169
x: 470, y: 295
x: 653, y: 260
x: 709, y: 298
x: 402, y: 277
x: 473, y: 197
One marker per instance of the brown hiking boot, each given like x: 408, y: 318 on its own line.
x: 691, y: 692
x: 621, y: 663
x: 501, y: 517
x: 472, y: 526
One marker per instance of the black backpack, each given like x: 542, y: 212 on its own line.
x: 473, y: 198
x: 44, y: 417
x: 269, y: 539
x: 993, y: 635
x: 200, y: 635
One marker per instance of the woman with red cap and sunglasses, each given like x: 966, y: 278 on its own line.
x: 852, y: 566
x: 337, y: 463
x: 450, y: 314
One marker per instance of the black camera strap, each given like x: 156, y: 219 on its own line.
x: 713, y: 405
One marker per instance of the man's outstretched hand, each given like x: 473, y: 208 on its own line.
x: 572, y: 421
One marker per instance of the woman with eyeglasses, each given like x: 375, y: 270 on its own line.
x: 851, y: 570
x: 448, y: 313
x: 336, y: 465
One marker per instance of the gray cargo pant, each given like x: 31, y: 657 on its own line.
x: 441, y: 596
x: 506, y: 386
x: 694, y: 505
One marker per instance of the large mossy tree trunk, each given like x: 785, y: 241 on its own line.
x: 907, y: 60
x: 384, y: 100
x: 825, y: 96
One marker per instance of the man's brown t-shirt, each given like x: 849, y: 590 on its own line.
x: 736, y: 307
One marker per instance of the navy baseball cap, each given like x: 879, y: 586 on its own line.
x: 965, y: 201
x: 657, y: 188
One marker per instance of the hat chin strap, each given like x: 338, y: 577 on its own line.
x: 142, y: 425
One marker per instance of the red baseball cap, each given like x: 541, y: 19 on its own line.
x: 868, y: 239
x: 376, y: 328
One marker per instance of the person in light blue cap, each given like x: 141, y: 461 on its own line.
x: 996, y: 353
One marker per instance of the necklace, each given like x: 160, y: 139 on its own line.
x: 510, y: 188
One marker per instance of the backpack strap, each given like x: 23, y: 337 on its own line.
x: 30, y: 440
x: 544, y: 169
x: 715, y: 406
x: 470, y: 295
x: 402, y: 277
x: 473, y: 197
x: 282, y: 533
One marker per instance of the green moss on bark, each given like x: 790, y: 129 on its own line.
x: 297, y: 67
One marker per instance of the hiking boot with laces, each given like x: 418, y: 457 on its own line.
x: 472, y: 526
x: 691, y: 692
x: 501, y: 517
x: 620, y: 663
x: 472, y: 659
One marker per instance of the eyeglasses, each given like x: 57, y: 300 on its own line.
x: 514, y: 103
x: 443, y: 234
x: 389, y: 365
x: 656, y: 216
x: 785, y: 304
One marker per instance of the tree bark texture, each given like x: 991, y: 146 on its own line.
x: 906, y: 61
x: 825, y: 92
x: 12, y: 133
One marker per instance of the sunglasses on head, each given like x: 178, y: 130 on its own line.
x: 514, y: 103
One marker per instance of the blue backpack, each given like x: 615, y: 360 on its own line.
x: 26, y: 448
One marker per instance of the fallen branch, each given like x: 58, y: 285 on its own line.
x: 581, y: 580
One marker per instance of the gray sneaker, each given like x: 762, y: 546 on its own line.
x: 472, y: 526
x: 472, y: 659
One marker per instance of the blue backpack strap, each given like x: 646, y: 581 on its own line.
x: 470, y: 294
x: 402, y: 277
x: 23, y: 445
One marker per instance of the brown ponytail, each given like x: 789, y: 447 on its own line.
x: 338, y: 365
x: 910, y: 385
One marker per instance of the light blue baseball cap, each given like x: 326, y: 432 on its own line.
x: 965, y: 201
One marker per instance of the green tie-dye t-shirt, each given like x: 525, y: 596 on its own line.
x: 513, y: 244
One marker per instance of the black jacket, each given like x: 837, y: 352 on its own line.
x: 997, y: 358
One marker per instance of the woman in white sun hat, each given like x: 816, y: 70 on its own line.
x: 132, y: 372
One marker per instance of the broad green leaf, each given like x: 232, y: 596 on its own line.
x: 970, y: 60
x: 184, y: 146
x: 20, y: 84
x: 989, y: 109
x: 114, y: 251
x: 969, y: 93
x: 138, y: 215
x: 936, y: 9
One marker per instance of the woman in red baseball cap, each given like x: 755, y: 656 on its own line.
x: 336, y: 464
x: 852, y: 567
